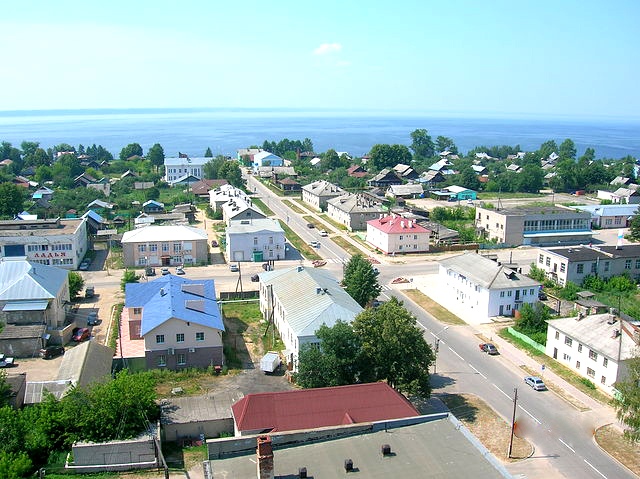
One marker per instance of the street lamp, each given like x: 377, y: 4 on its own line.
x: 437, y: 347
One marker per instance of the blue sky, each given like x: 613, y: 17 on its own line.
x: 522, y: 58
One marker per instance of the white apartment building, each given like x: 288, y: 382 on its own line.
x: 165, y: 246
x: 255, y: 240
x: 319, y: 192
x: 175, y: 169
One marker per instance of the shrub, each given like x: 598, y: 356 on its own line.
x: 588, y: 383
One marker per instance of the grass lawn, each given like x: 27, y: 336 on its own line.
x: 295, y: 208
x: 260, y: 204
x: 437, y: 311
x: 491, y: 429
x: 346, y: 245
x: 298, y: 243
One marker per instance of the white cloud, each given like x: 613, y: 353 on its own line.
x: 326, y: 48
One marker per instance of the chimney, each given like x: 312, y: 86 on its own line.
x: 264, y: 454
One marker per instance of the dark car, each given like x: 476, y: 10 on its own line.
x: 92, y: 318
x: 84, y: 266
x: 80, y: 334
x: 310, y: 225
x: 51, y: 352
x: 255, y: 278
x: 214, y: 243
x: 542, y: 296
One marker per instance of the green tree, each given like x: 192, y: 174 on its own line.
x: 230, y: 171
x: 208, y: 153
x: 444, y: 143
x: 530, y: 179
x: 634, y: 227
x: 422, y: 144
x: 132, y: 149
x: 5, y: 390
x: 469, y: 179
x: 394, y: 347
x: 567, y: 150
x: 76, y: 283
x: 361, y: 280
x: 307, y: 145
x: 533, y: 321
x: 14, y: 465
x: 211, y: 168
x: 330, y: 160
x: 386, y: 156
x: 152, y: 193
x: 11, y: 199
x: 156, y: 155
x: 627, y: 401
x: 547, y: 148
x: 129, y: 276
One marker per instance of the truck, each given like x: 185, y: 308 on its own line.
x: 270, y: 362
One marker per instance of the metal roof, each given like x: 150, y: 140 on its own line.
x: 167, y: 297
x: 36, y: 305
x: 21, y: 280
x: 155, y: 234
x: 310, y: 298
x: 609, y: 210
x: 86, y: 363
x: 255, y: 226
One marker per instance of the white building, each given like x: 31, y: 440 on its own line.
x: 593, y: 346
x: 299, y: 300
x: 175, y: 169
x: 485, y: 287
x: 353, y: 210
x: 223, y: 194
x: 319, y: 192
x: 54, y: 242
x: 393, y: 234
x: 255, y: 240
x: 165, y: 246
x: 264, y: 158
x: 241, y: 209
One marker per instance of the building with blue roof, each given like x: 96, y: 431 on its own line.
x: 179, y: 320
x: 610, y: 216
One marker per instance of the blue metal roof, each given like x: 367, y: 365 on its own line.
x: 25, y: 306
x: 21, y: 280
x: 170, y: 297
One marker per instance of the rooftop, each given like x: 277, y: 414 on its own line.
x: 537, y: 210
x: 53, y: 227
x: 255, y: 226
x: 21, y: 280
x: 397, y: 225
x: 154, y: 234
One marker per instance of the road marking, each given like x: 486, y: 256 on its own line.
x: 454, y: 352
x: 593, y: 467
x: 501, y: 391
x: 530, y: 415
x: 471, y: 366
x: 567, y: 446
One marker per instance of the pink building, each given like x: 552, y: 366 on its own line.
x: 394, y: 234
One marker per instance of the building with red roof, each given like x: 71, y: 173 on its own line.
x: 394, y: 234
x: 321, y: 407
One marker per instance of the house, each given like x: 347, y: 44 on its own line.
x: 319, y: 192
x: 356, y: 171
x: 437, y: 443
x: 431, y: 178
x: 484, y: 287
x: 240, y: 209
x: 186, y: 180
x: 33, y: 300
x: 288, y: 184
x: 385, y: 178
x: 405, y: 172
x: 52, y: 242
x: 443, y: 166
x: 514, y: 168
x: 179, y: 320
x: 255, y: 240
x: 297, y: 301
x: 610, y: 216
x: 440, y: 234
x: 314, y: 408
x: 460, y: 193
x: 620, y: 181
x: 484, y: 156
x: 315, y: 161
x: 621, y: 196
x: 479, y: 169
x: 275, y: 171
x: 245, y: 155
x: 100, y: 206
x: 21, y: 181
x: 42, y: 193
x: 165, y: 246
x: 547, y: 225
x: 152, y: 206
x: 177, y: 169
x: 201, y: 188
x: 393, y: 234
x: 128, y: 174
x: 353, y: 210
x: 411, y: 190
x: 83, y: 180
x: 102, y: 186
x: 597, y: 347
x: 576, y: 263
x: 264, y: 158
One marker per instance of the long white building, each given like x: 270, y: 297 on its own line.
x: 176, y: 169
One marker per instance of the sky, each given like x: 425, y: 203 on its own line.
x: 562, y: 58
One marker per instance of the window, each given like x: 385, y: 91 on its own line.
x: 524, y: 292
x: 199, y: 336
x: 159, y: 338
x: 568, y: 341
x: 603, y: 380
x: 162, y: 360
x: 638, y: 264
x: 580, y: 268
x: 508, y: 307
x: 593, y: 355
x: 180, y: 337
x: 165, y: 247
x: 182, y: 359
x: 153, y: 247
x: 627, y: 264
x: 563, y: 267
x: 255, y: 240
x: 557, y: 335
x: 579, y: 348
x: 606, y: 266
x: 594, y: 267
x: 591, y: 373
x: 541, y: 259
x: 577, y: 364
x: 607, y: 221
x: 605, y: 362
x: 142, y: 248
x: 137, y: 311
x: 548, y: 262
x: 509, y: 293
x: 531, y: 292
x: 415, y: 237
x: 400, y: 237
x: 502, y: 294
x: 566, y: 357
x: 618, y: 220
x: 177, y: 247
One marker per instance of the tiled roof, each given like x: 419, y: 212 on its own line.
x: 396, y: 225
x: 320, y: 407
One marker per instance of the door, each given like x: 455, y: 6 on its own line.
x: 555, y: 353
x: 501, y: 313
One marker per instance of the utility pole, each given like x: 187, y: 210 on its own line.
x: 435, y: 356
x: 513, y: 420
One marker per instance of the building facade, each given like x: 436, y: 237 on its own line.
x: 165, y: 246
x: 255, y: 240
x: 177, y: 168
x: 353, y: 211
x: 610, y: 216
x: 534, y: 226
x: 55, y: 242
x: 396, y: 235
x: 319, y: 192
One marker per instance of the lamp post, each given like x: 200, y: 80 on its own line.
x: 437, y: 347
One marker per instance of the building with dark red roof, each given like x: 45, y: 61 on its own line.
x: 394, y: 234
x: 320, y: 407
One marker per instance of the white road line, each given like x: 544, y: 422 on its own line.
x: 567, y: 446
x: 454, y: 352
x: 502, y: 391
x: 530, y: 415
x: 592, y: 467
x: 471, y: 366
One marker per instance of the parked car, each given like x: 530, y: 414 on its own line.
x: 92, y: 318
x: 6, y: 362
x: 164, y: 271
x: 89, y: 292
x: 51, y: 352
x: 80, y: 334
x: 214, y: 243
x: 535, y: 382
x: 149, y: 271
x: 179, y: 270
x: 542, y: 296
x: 488, y: 348
x: 267, y: 267
x: 234, y: 268
x: 315, y: 244
x: 84, y: 265
x: 255, y: 278
x: 323, y: 233
x: 310, y: 225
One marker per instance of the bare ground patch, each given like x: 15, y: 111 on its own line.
x: 436, y: 310
x: 610, y: 439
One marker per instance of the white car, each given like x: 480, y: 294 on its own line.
x: 323, y: 233
x: 315, y: 244
x: 535, y: 382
